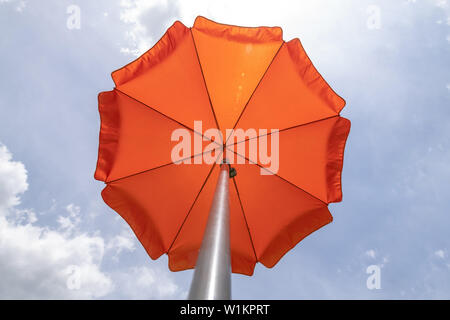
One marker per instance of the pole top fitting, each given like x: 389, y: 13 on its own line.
x: 232, y: 171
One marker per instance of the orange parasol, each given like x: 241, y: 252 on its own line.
x: 285, y: 152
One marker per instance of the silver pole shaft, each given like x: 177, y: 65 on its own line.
x: 212, y: 275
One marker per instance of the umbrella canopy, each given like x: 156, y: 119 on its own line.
x: 227, y: 77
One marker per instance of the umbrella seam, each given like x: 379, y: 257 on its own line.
x: 170, y: 118
x: 204, y: 79
x: 163, y: 165
x: 285, y: 129
x: 284, y: 179
x: 245, y: 219
x: 159, y: 112
x: 190, y: 209
x: 257, y: 86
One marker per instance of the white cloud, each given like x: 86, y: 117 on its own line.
x: 440, y: 253
x: 13, y: 180
x: 148, y: 283
x: 24, y: 216
x: 21, y: 5
x: 441, y: 3
x: 40, y: 262
x: 34, y: 259
x: 136, y: 14
x: 69, y: 223
x: 122, y: 242
x: 371, y: 253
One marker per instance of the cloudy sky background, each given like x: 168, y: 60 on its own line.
x: 388, y: 59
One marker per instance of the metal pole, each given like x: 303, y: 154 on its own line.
x: 212, y: 275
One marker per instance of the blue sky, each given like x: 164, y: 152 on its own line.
x: 388, y: 59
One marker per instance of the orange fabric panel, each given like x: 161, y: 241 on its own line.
x: 168, y: 78
x: 156, y: 202
x: 184, y: 251
x: 310, y: 156
x: 133, y: 137
x: 233, y: 60
x: 279, y: 215
x: 312, y: 77
x: 291, y: 93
